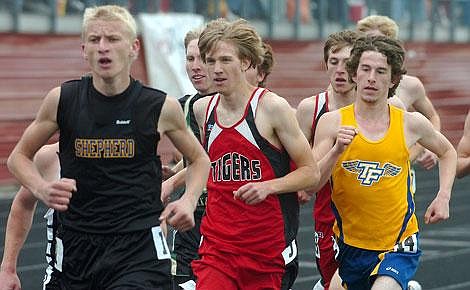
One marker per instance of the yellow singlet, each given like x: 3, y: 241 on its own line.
x: 372, y: 196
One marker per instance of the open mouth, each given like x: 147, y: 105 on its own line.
x: 104, y: 61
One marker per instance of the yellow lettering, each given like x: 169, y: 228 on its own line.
x: 130, y: 148
x: 104, y: 148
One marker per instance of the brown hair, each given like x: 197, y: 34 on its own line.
x: 391, y: 48
x: 268, y: 62
x: 337, y: 41
x: 239, y: 33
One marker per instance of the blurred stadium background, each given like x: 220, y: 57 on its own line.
x: 40, y: 48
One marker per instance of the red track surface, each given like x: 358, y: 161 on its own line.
x: 31, y: 65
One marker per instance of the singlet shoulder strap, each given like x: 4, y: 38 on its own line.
x: 210, y: 107
x: 321, y: 107
x: 256, y: 96
x: 321, y: 104
x: 186, y: 109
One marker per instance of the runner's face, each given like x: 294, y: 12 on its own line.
x: 109, y: 49
x: 225, y: 68
x: 374, y: 77
x: 337, y: 73
x: 196, y: 68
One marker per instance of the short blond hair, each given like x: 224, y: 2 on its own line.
x: 109, y: 13
x: 384, y: 24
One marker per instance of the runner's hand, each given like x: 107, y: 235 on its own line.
x: 427, y: 159
x: 179, y: 214
x: 253, y: 193
x: 437, y: 211
x: 57, y: 194
x: 9, y: 281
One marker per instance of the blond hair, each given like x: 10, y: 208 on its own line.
x: 109, y: 13
x: 384, y: 24
x: 192, y: 35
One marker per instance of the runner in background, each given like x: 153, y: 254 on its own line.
x: 21, y: 216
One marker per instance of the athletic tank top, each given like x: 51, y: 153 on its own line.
x: 239, y: 155
x: 109, y: 145
x: 322, y: 206
x: 373, y: 203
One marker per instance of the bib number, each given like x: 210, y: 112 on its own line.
x: 290, y: 252
x: 408, y: 245
x: 159, y: 240
x: 317, y: 247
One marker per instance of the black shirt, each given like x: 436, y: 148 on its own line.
x: 108, y: 145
